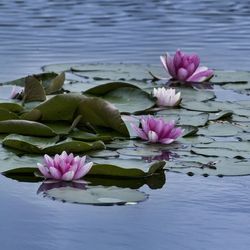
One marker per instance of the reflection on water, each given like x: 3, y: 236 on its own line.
x: 187, y: 213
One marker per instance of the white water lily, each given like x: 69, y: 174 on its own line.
x: 167, y: 97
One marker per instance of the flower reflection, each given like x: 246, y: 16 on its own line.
x: 51, y: 184
x: 164, y: 156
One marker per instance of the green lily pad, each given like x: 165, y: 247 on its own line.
x: 86, y: 136
x: 56, y: 84
x: 108, y: 71
x: 200, y: 106
x: 216, y: 167
x: 33, y: 90
x: 189, y: 95
x: 125, y: 168
x: 98, y: 112
x: 220, y: 115
x: 24, y: 127
x: 98, y: 195
x: 220, y: 129
x: 38, y: 145
x: 102, y: 89
x: 7, y: 115
x: 222, y: 152
x: 128, y: 98
x: 60, y: 107
x: 13, y: 107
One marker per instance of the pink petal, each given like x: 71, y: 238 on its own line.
x: 152, y: 122
x: 170, y: 66
x: 201, y: 74
x: 167, y: 129
x: 196, y: 61
x: 152, y: 136
x: 64, y: 156
x: 70, y: 158
x: 83, y: 170
x: 159, y: 126
x: 44, y: 170
x: 48, y: 161
x: 166, y: 141
x: 191, y: 68
x: 139, y: 132
x: 68, y: 176
x: 145, y: 124
x: 178, y: 59
x: 175, y: 133
x: 57, y: 161
x: 63, y: 166
x: 55, y: 173
x: 182, y: 74
x: 164, y: 62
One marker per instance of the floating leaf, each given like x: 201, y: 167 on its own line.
x: 60, y: 107
x: 85, y: 136
x: 29, y: 144
x: 220, y: 115
x: 200, y: 106
x: 220, y: 129
x: 7, y: 115
x: 33, y: 90
x: 98, y: 112
x: 24, y: 127
x: 108, y: 71
x: 216, y: 167
x: 98, y: 195
x: 13, y: 107
x: 56, y: 84
x: 38, y: 145
x: 125, y: 168
x: 103, y: 89
x: 189, y: 130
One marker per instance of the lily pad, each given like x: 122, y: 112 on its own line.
x: 38, y: 145
x: 220, y: 129
x: 98, y: 195
x: 24, y: 127
x: 216, y: 167
x: 7, y: 115
x: 125, y: 168
x: 200, y: 106
x: 108, y: 71
x: 98, y: 112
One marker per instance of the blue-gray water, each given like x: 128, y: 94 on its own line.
x: 188, y: 212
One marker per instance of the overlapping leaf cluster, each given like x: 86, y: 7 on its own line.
x: 91, y: 110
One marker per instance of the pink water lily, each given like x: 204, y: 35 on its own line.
x: 64, y: 167
x: 186, y: 67
x: 156, y: 130
x: 167, y: 97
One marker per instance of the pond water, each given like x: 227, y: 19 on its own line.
x: 187, y: 212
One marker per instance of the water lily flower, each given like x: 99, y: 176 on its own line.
x: 64, y: 167
x: 167, y: 97
x: 156, y: 130
x: 16, y: 92
x: 186, y: 67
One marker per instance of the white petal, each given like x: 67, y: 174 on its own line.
x: 68, y: 176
